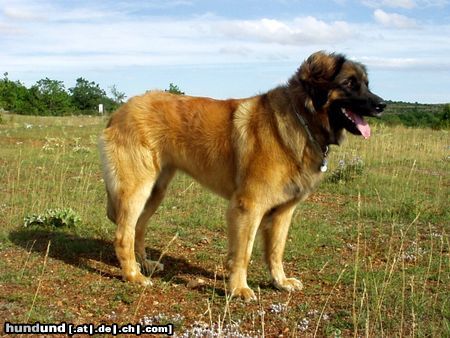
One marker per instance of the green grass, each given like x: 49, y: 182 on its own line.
x: 371, y: 245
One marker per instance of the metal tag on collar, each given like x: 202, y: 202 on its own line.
x: 324, y: 166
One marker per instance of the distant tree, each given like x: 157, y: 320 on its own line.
x: 51, y: 97
x: 118, y: 97
x: 86, y: 96
x: 446, y: 113
x: 28, y: 102
x: 8, y: 93
x: 444, y: 117
x: 174, y: 89
x: 3, y: 91
x: 14, y: 96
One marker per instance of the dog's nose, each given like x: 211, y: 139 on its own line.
x: 380, y: 106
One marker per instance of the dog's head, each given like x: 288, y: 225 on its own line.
x: 338, y: 91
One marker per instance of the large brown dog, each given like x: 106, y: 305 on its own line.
x: 264, y: 154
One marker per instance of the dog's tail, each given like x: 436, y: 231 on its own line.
x: 110, y: 208
x: 109, y: 178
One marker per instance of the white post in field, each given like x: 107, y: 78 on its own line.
x: 100, y: 108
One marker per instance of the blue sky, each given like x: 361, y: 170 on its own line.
x: 226, y: 49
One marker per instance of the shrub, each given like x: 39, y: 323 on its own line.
x: 53, y: 218
x: 347, y: 171
x: 174, y: 89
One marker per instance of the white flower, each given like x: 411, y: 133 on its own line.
x: 277, y: 308
x: 303, y: 325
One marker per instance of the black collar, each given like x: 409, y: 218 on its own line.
x: 324, y: 150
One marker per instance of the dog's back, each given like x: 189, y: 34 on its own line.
x: 159, y: 129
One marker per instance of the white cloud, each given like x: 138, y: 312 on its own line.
x: 121, y: 41
x: 154, y: 4
x: 10, y: 30
x: 301, y: 31
x: 405, y: 4
x: 391, y: 63
x: 399, y: 3
x: 22, y: 13
x: 239, y: 50
x: 109, y: 39
x: 393, y: 19
x: 433, y: 3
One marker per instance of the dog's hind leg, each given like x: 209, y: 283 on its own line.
x: 275, y: 228
x: 153, y: 202
x: 128, y: 210
x: 130, y: 174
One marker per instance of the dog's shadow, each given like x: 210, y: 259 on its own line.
x: 98, y: 255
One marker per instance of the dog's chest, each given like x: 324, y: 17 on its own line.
x: 300, y: 185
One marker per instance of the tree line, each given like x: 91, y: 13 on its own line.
x: 436, y: 116
x: 50, y: 97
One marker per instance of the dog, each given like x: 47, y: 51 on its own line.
x: 264, y: 154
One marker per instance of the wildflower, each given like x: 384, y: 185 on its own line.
x: 303, y: 325
x: 313, y: 313
x: 277, y: 308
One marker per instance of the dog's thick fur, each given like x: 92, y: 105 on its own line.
x: 262, y: 153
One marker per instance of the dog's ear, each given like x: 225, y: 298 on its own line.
x: 317, y: 73
x: 321, y: 68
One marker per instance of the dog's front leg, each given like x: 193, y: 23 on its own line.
x: 244, y: 217
x: 275, y: 228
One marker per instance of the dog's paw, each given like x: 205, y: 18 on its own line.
x: 149, y: 267
x: 138, y: 278
x: 288, y: 284
x: 245, y: 293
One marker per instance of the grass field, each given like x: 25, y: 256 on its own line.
x: 371, y: 245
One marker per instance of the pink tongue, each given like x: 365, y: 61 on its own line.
x: 361, y: 124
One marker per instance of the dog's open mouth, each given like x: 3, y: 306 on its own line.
x: 358, y: 122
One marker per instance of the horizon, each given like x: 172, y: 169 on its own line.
x: 109, y: 94
x: 209, y: 48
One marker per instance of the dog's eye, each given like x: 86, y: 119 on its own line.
x: 350, y: 83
